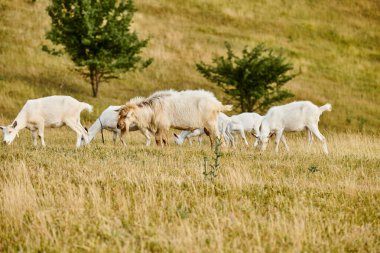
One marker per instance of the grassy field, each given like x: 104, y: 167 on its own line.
x: 336, y: 47
x: 107, y: 198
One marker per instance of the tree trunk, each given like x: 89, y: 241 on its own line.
x: 249, y: 105
x: 95, y: 80
x: 242, y: 107
x: 94, y: 89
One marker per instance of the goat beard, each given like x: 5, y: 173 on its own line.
x: 123, y: 128
x: 123, y: 131
x: 126, y: 128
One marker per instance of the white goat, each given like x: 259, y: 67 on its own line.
x: 244, y: 122
x: 223, y: 120
x: 184, y: 110
x: 179, y: 139
x: 295, y: 116
x: 108, y: 120
x: 54, y: 111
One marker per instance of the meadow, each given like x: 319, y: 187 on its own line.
x: 107, y: 198
x: 333, y: 46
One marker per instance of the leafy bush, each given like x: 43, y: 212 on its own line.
x: 254, y: 80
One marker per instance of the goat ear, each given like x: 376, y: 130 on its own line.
x: 2, y: 127
x: 14, y: 124
x: 175, y: 135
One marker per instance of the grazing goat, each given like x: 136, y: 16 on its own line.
x: 184, y: 110
x: 244, y: 122
x: 223, y: 120
x: 295, y: 116
x: 54, y: 111
x: 179, y: 139
x: 108, y: 120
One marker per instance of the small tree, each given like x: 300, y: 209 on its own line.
x: 97, y: 36
x: 254, y: 80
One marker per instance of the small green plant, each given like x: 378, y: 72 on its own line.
x: 213, y: 172
x: 313, y: 168
x: 361, y: 122
x: 183, y: 211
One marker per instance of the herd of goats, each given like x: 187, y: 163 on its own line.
x: 195, y: 112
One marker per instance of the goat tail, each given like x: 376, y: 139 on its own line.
x: 87, y: 107
x: 326, y: 107
x: 226, y: 108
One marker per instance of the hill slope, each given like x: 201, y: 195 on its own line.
x: 335, y: 46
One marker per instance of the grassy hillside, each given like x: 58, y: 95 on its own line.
x: 335, y: 45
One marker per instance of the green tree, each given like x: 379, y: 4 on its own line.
x: 254, y: 80
x: 96, y: 35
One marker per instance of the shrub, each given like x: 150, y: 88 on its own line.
x: 254, y: 80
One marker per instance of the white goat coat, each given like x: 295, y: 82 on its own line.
x: 181, y: 137
x: 295, y: 116
x: 108, y: 121
x: 223, y: 120
x: 53, y: 111
x: 188, y: 110
x: 244, y: 122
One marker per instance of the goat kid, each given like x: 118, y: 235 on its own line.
x: 181, y: 137
x: 244, y: 122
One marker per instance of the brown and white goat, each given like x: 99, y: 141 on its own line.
x: 183, y: 110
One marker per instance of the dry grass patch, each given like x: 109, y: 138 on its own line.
x: 107, y: 198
